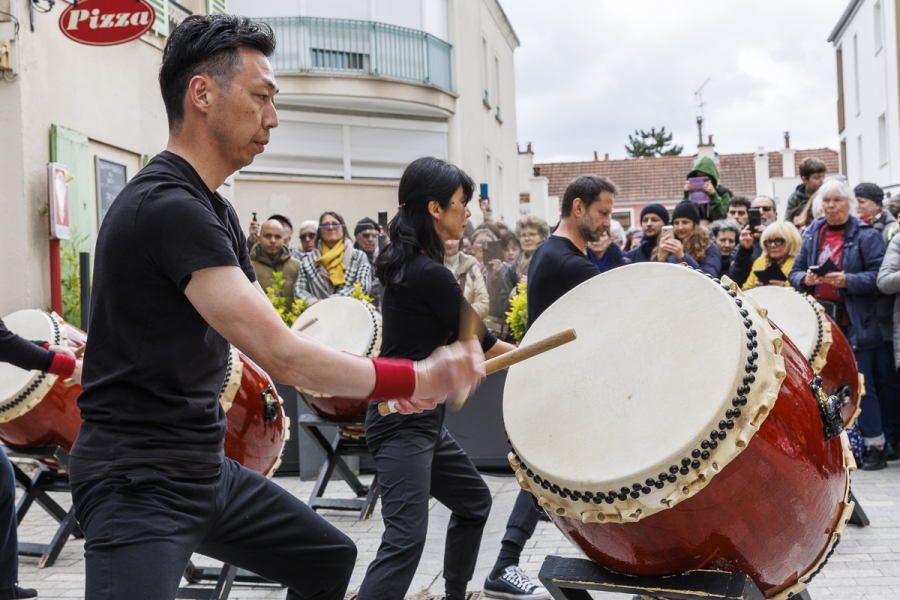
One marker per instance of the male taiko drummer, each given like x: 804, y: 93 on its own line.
x: 559, y: 264
x: 31, y: 356
x: 173, y: 285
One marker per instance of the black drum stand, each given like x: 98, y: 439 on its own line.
x: 571, y: 578
x: 35, y: 489
x: 859, y: 515
x: 224, y: 577
x: 343, y: 445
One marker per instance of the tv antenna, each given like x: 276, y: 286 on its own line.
x: 700, y: 104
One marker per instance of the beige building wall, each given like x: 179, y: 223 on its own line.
x: 110, y: 94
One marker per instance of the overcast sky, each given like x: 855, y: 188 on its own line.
x: 589, y: 72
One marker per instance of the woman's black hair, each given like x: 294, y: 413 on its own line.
x: 411, y: 230
x: 331, y: 213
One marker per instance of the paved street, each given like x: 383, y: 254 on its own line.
x: 864, y: 567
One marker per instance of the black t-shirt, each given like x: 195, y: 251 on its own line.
x: 556, y: 267
x: 424, y: 313
x: 155, y: 366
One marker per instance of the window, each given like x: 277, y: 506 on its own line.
x: 623, y: 217
x: 161, y: 26
x: 882, y: 141
x: 876, y: 13
x: 856, y: 74
x: 859, y: 157
x: 338, y: 60
x: 485, y: 68
x: 497, y: 85
x: 217, y: 7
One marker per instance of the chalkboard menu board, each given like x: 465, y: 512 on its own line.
x: 111, y: 178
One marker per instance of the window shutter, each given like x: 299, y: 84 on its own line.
x: 161, y: 26
x: 215, y: 7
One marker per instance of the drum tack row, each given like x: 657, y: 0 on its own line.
x: 718, y: 453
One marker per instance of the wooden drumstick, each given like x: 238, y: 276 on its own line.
x: 307, y: 325
x: 504, y: 361
x: 79, y: 352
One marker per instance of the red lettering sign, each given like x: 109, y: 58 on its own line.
x: 107, y: 22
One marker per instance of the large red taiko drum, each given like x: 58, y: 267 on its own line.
x: 679, y: 432
x: 819, y: 339
x: 257, y: 426
x: 38, y: 409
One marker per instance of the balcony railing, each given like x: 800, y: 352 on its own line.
x: 313, y: 44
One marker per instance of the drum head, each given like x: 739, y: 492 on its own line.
x: 345, y: 324
x: 793, y: 313
x: 31, y: 325
x: 660, y: 356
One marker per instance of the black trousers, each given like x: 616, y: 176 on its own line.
x: 9, y: 541
x: 141, y: 528
x: 522, y: 520
x: 416, y: 458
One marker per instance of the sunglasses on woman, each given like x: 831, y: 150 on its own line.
x: 774, y: 242
x: 329, y: 225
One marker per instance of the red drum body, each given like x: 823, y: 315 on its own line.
x: 819, y: 339
x: 257, y: 426
x: 44, y: 412
x: 348, y: 325
x: 702, y: 440
x: 769, y: 514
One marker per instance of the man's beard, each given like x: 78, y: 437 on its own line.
x: 586, y: 229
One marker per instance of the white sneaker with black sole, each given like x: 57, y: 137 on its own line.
x: 513, y: 584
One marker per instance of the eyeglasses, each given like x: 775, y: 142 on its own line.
x: 368, y: 236
x: 307, y: 236
x: 774, y: 242
x: 329, y: 226
x: 526, y: 235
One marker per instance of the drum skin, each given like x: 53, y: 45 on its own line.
x: 769, y: 514
x: 251, y: 440
x: 56, y: 419
x: 840, y: 370
x: 333, y: 407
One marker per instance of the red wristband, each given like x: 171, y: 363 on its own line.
x: 46, y: 345
x: 394, y: 378
x: 62, y: 365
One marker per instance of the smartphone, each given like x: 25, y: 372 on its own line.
x: 382, y: 219
x: 254, y: 217
x: 755, y: 219
x: 492, y: 250
x: 825, y: 268
x: 484, y: 191
x: 667, y: 231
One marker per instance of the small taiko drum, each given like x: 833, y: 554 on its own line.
x: 348, y: 325
x: 805, y: 323
x: 38, y: 409
x: 696, y: 441
x: 257, y: 426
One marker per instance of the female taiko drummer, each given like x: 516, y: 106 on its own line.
x: 414, y: 455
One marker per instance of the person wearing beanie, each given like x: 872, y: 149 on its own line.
x: 30, y: 356
x: 653, y: 218
x: 870, y: 198
x: 689, y: 243
x: 368, y: 236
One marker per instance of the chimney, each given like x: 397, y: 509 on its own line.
x: 788, y: 168
x: 707, y: 150
x: 787, y: 139
x: 595, y: 156
x: 529, y: 146
x: 606, y: 156
x: 710, y: 141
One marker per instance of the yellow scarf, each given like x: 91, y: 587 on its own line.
x: 333, y: 261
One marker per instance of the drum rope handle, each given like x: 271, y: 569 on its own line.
x: 504, y: 361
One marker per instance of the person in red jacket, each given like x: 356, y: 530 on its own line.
x: 31, y: 356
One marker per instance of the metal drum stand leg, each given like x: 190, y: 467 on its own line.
x: 35, y: 489
x: 343, y: 445
x: 571, y: 578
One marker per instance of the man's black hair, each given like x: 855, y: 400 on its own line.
x: 588, y: 188
x: 207, y: 44
x: 740, y: 201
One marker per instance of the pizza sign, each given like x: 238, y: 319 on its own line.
x: 106, y: 22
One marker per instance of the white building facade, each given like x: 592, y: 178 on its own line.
x: 865, y: 41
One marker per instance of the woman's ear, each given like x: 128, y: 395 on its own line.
x: 434, y: 209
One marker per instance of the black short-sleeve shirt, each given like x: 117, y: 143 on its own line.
x: 154, y: 367
x: 556, y: 267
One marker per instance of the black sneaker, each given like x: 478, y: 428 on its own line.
x: 17, y: 592
x: 874, y: 459
x: 513, y: 584
x: 892, y: 452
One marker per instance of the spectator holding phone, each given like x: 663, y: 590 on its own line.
x: 715, y: 203
x: 495, y: 277
x: 838, y: 263
x: 761, y: 214
x: 688, y: 242
x: 482, y: 235
x: 780, y: 244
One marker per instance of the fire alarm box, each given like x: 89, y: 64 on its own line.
x: 60, y: 216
